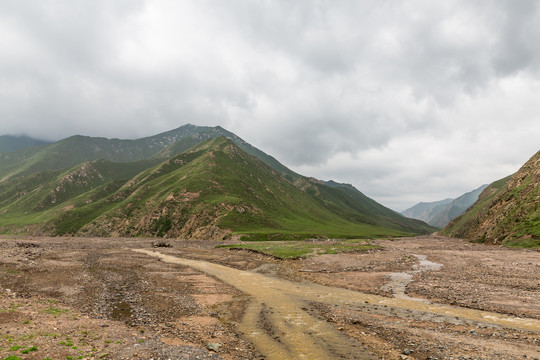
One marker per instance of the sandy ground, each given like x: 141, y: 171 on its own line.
x: 91, y: 298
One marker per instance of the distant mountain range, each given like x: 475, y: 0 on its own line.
x: 440, y: 213
x: 191, y: 182
x: 507, y: 211
x: 10, y: 143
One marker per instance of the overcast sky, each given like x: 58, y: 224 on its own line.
x: 409, y: 101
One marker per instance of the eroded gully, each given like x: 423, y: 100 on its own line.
x: 291, y: 332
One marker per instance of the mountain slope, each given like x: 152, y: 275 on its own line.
x: 440, y: 213
x: 348, y: 197
x: 457, y: 207
x: 34, y: 199
x: 78, y: 149
x: 425, y: 210
x: 9, y: 143
x: 211, y: 191
x: 507, y: 211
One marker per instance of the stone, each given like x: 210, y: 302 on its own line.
x: 213, y: 346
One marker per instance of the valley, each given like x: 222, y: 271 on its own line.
x: 124, y: 298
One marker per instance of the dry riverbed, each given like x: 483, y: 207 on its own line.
x: 417, y: 298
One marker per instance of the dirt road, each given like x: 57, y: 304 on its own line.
x: 97, y: 298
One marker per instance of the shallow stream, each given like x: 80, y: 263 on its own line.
x: 399, y: 280
x: 278, y: 322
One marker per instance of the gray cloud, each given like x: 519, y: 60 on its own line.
x: 367, y: 92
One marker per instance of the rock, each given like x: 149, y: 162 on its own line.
x: 407, y: 352
x: 213, y: 346
x: 161, y: 244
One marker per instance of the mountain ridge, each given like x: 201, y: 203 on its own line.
x: 78, y: 148
x: 9, y: 143
x: 108, y: 205
x: 440, y: 213
x: 506, y: 212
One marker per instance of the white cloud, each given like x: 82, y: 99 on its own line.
x: 407, y: 100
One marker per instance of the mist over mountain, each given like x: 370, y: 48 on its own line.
x: 10, y: 143
x: 440, y: 213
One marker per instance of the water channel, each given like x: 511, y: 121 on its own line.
x: 296, y: 334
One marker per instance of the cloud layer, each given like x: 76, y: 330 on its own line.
x: 407, y: 100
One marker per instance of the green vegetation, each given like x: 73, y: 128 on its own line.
x: 213, y: 190
x: 10, y: 143
x: 68, y: 343
x: 55, y: 311
x: 28, y: 350
x: 459, y: 225
x: 507, y: 212
x: 296, y: 249
x: 12, y: 357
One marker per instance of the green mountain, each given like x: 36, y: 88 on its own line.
x: 440, y: 213
x: 213, y: 190
x: 78, y: 149
x: 507, y: 211
x: 9, y: 143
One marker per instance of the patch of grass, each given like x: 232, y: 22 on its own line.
x: 296, y: 250
x: 30, y: 349
x: 67, y: 342
x: 12, y: 308
x: 15, y: 348
x: 12, y: 357
x: 524, y: 243
x: 55, y: 311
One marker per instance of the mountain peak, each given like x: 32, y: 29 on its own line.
x: 190, y: 182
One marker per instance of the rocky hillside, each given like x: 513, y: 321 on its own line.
x: 213, y: 190
x: 507, y: 211
x: 440, y: 213
x: 77, y: 149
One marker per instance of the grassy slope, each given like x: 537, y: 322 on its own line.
x: 223, y: 187
x: 78, y: 149
x: 358, y: 207
x: 233, y: 191
x: 507, y: 211
x: 40, y: 197
x: 209, y: 191
x: 460, y: 225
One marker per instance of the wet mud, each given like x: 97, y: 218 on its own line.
x: 300, y: 335
x: 416, y: 298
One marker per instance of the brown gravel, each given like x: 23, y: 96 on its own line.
x: 94, y: 298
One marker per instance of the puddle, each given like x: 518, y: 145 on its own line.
x: 399, y: 280
x: 295, y: 334
x: 121, y: 311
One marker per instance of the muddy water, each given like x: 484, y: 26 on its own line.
x: 290, y: 332
x: 399, y: 280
